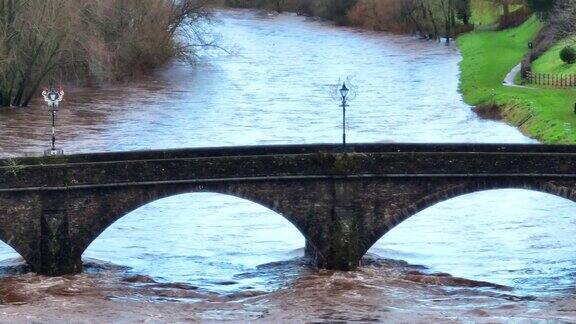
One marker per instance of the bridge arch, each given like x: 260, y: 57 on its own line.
x: 447, y: 191
x: 179, y: 236
x: 519, y: 238
x: 139, y: 201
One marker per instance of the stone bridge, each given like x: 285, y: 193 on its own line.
x: 341, y: 200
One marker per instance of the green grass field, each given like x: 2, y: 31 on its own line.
x: 485, y: 14
x: 544, y: 114
x: 550, y: 62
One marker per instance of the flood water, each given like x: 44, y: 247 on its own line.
x: 274, y: 86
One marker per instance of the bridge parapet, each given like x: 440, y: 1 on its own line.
x: 276, y: 166
x: 295, y: 149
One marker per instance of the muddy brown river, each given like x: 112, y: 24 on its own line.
x: 494, y: 256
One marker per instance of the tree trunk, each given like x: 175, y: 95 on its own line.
x: 506, y: 6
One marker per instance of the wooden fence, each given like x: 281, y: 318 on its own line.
x: 552, y: 80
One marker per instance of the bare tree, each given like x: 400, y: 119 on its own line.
x: 101, y: 40
x: 564, y: 22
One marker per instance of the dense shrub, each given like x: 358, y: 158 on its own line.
x: 380, y: 15
x: 568, y: 55
x: 336, y: 10
x: 542, y: 7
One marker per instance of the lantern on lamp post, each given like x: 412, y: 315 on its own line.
x: 52, y: 97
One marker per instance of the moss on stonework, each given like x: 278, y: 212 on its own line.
x: 345, y: 240
x: 53, y: 159
x: 345, y: 163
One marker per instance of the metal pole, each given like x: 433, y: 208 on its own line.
x: 344, y: 121
x: 53, y: 128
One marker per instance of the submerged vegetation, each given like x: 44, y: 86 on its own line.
x: 90, y: 41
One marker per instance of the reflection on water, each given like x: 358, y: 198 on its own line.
x: 274, y: 88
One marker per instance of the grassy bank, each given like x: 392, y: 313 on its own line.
x: 485, y: 13
x: 487, y: 57
x: 550, y: 62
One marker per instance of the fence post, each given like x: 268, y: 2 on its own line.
x: 556, y: 80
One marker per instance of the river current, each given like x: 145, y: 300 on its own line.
x: 510, y: 252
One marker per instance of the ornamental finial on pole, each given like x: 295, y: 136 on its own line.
x: 53, y: 96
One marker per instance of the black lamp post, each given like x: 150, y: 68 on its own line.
x: 344, y: 93
x: 53, y: 98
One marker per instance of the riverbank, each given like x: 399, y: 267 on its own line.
x: 487, y: 57
x: 550, y: 61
